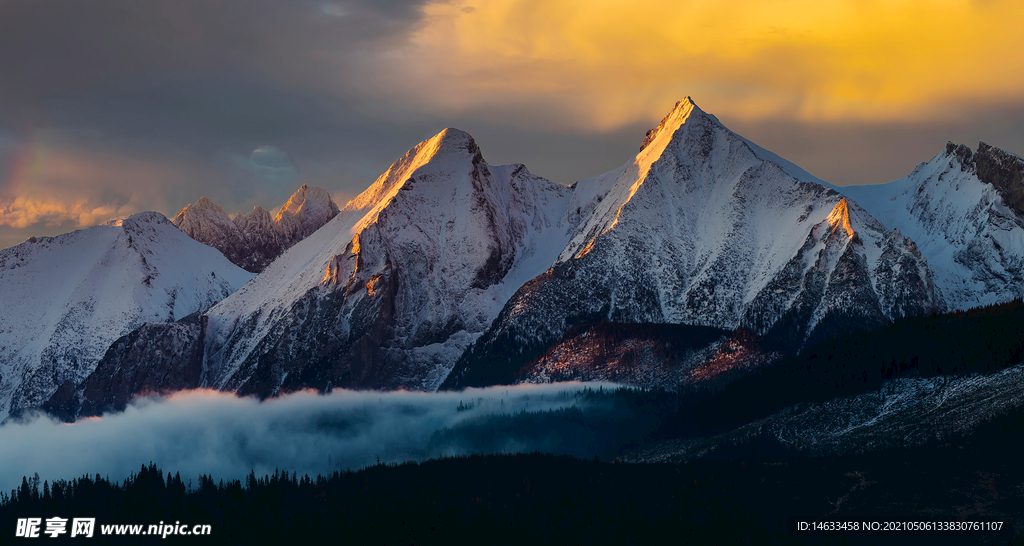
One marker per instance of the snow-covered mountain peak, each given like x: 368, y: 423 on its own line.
x: 685, y: 158
x: 196, y: 216
x: 258, y: 214
x: 204, y: 215
x: 702, y: 227
x: 432, y: 171
x: 965, y: 210
x: 307, y: 202
x: 144, y: 217
x: 443, y: 151
x: 67, y: 298
x: 680, y: 113
x: 399, y: 283
x: 136, y: 221
x: 452, y: 140
x: 140, y: 219
x: 205, y: 202
x: 308, y: 209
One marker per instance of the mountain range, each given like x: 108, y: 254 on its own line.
x: 253, y: 240
x: 450, y: 272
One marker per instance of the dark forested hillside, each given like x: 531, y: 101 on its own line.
x: 546, y: 499
x: 982, y: 340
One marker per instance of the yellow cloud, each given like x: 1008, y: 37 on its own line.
x: 599, y: 64
x: 23, y: 212
x: 53, y: 186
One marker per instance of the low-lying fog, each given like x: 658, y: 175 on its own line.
x: 209, y: 432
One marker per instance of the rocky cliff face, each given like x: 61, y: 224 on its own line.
x: 652, y: 356
x: 157, y: 357
x: 253, y: 240
x: 1003, y: 171
x: 964, y: 211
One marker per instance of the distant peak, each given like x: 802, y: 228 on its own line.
x: 205, y: 203
x: 134, y: 221
x: 681, y: 112
x: 308, y: 197
x: 308, y: 193
x: 203, y: 208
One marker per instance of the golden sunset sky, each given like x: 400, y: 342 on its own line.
x: 114, y: 107
x: 597, y: 65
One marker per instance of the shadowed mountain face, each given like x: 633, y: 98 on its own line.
x: 253, y: 240
x: 1004, y: 171
x: 705, y: 228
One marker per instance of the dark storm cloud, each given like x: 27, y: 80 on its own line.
x: 192, y: 89
x: 208, y: 432
x: 192, y: 73
x: 60, y: 47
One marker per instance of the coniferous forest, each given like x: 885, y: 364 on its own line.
x: 754, y: 497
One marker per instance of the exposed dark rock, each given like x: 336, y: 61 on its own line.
x: 666, y: 356
x: 1005, y: 171
x: 157, y: 357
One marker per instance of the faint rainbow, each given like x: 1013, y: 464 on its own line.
x: 26, y: 169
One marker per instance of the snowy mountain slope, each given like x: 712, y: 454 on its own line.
x: 66, y: 298
x: 254, y: 239
x: 702, y: 229
x: 957, y: 208
x: 392, y: 290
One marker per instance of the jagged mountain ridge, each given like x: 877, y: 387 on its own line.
x: 254, y: 239
x: 965, y: 210
x: 67, y: 298
x: 702, y: 228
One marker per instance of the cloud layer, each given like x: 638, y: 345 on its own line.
x: 209, y: 432
x: 605, y: 65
